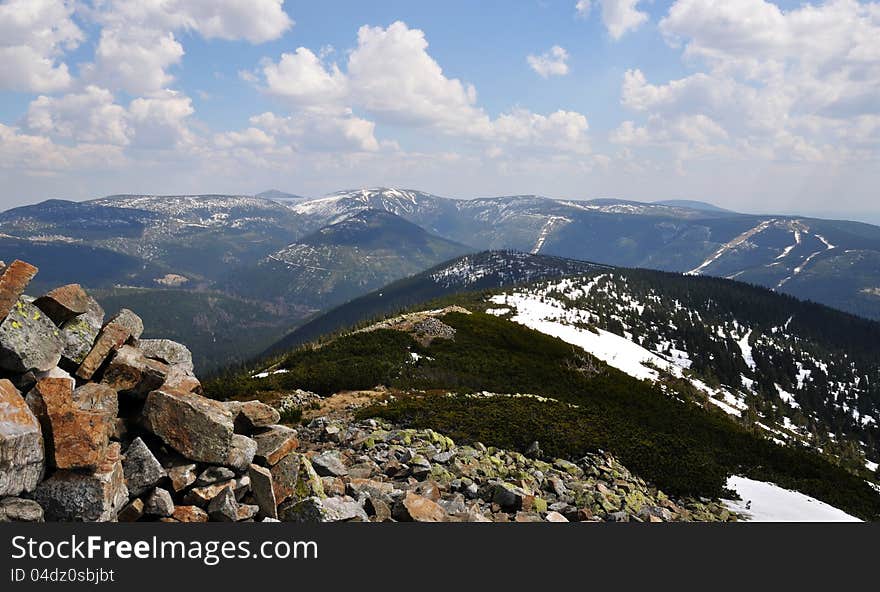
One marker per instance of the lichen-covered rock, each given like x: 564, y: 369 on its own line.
x: 317, y: 509
x: 122, y: 327
x: 16, y: 509
x: 79, y: 333
x: 130, y: 372
x: 85, y: 496
x: 14, y: 278
x: 198, y: 428
x: 167, y: 351
x: 329, y: 464
x: 63, y: 303
x: 29, y: 340
x: 22, y: 460
x: 141, y: 468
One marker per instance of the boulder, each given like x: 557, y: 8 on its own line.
x: 213, y: 475
x: 16, y: 509
x: 555, y: 517
x: 159, y: 503
x: 79, y: 333
x: 130, y: 372
x: 241, y: 452
x: 198, y: 428
x: 14, y: 278
x: 96, y: 397
x: 179, y: 379
x: 168, y: 352
x: 261, y: 487
x: 274, y: 443
x: 202, y: 496
x: 317, y: 509
x: 141, y: 468
x: 189, y: 514
x: 508, y: 496
x: 124, y: 326
x: 253, y: 415
x: 85, y: 496
x: 415, y: 508
x: 329, y: 464
x: 22, y: 460
x: 63, y: 303
x: 29, y: 340
x: 80, y: 429
x: 224, y: 507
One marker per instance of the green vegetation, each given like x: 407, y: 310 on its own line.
x: 674, y: 442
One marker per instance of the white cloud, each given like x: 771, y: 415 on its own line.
x: 160, y: 121
x: 618, y: 16
x: 34, y: 34
x: 302, y: 79
x: 89, y: 117
x: 135, y: 61
x: 37, y: 155
x: 320, y: 131
x: 550, y: 63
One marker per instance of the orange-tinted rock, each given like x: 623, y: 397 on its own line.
x: 274, y: 443
x: 131, y: 372
x: 415, y: 508
x: 198, y: 428
x: 121, y: 328
x: 80, y: 434
x: 64, y: 303
x: 21, y: 443
x: 13, y: 281
x: 189, y: 514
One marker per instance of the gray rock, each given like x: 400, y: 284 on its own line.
x: 328, y: 464
x: 130, y: 372
x: 29, y: 340
x: 241, y: 452
x: 419, y: 466
x: 159, y: 503
x: 213, y: 475
x: 198, y: 428
x: 84, y: 496
x: 253, y: 415
x: 79, y: 333
x: 141, y: 468
x: 316, y: 509
x: 170, y: 352
x: 16, y: 509
x: 508, y: 497
x: 224, y: 507
x: 22, y: 460
x: 261, y: 487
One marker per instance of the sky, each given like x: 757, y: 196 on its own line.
x: 752, y: 105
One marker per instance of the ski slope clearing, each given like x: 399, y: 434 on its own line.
x: 766, y: 502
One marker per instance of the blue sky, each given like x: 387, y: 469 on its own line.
x: 750, y: 104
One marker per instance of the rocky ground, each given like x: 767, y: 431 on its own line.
x: 97, y: 424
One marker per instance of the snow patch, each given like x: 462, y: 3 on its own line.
x: 766, y: 502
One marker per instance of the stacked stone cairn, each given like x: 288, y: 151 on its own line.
x: 97, y: 424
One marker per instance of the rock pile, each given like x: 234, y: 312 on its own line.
x: 97, y: 424
x: 372, y: 470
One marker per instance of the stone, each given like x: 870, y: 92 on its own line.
x: 555, y: 517
x: 508, y: 496
x: 189, y: 514
x: 29, y: 340
x: 132, y: 512
x: 261, y: 487
x: 16, y: 509
x: 63, y: 303
x: 180, y: 380
x: 198, y: 428
x: 124, y: 326
x: 141, y: 468
x: 201, y: 496
x: 96, y: 397
x: 14, y: 278
x: 169, y: 352
x: 224, y: 507
x: 22, y: 460
x: 378, y: 509
x: 252, y: 415
x: 159, y: 503
x: 213, y: 475
x: 80, y: 429
x: 415, y: 508
x: 130, y: 372
x: 534, y: 450
x: 419, y: 466
x: 329, y: 464
x: 241, y: 452
x: 527, y: 517
x: 182, y: 476
x: 85, y: 496
x: 275, y: 443
x: 247, y: 512
x: 317, y: 509
x: 79, y: 333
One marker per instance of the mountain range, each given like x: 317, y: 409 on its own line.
x: 294, y: 257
